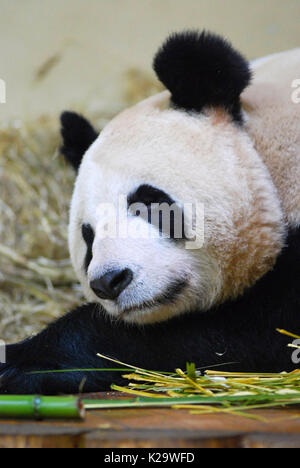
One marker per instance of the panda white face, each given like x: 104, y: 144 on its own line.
x: 186, y: 147
x: 153, y: 153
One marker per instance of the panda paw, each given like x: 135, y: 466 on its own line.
x: 14, y: 381
x: 15, y: 377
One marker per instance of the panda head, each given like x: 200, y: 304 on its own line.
x: 185, y: 148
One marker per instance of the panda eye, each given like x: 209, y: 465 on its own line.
x: 88, y: 235
x: 147, y: 194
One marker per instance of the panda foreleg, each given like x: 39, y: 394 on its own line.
x: 71, y: 342
x: 240, y: 336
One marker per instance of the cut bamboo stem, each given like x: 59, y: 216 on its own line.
x: 40, y: 407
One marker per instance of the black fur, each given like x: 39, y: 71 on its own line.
x: 173, y: 227
x: 202, y: 69
x: 148, y: 194
x: 241, y: 335
x: 78, y: 135
x: 88, y: 235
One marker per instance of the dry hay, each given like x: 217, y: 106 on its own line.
x: 36, y: 280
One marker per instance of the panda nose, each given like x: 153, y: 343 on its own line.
x: 110, y: 285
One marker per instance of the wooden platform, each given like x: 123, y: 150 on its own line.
x: 156, y: 428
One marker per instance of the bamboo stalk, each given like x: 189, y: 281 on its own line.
x: 286, y: 333
x: 40, y: 407
x: 193, y: 401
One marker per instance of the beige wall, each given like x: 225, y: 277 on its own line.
x: 94, y: 42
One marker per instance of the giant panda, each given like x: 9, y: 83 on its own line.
x: 225, y: 135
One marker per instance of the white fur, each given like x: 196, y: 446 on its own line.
x: 195, y: 159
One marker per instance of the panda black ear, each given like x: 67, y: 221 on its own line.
x: 78, y: 135
x: 202, y: 70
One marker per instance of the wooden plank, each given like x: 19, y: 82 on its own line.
x: 156, y: 428
x: 36, y: 441
x: 161, y: 439
x: 271, y: 441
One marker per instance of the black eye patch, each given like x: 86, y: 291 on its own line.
x: 88, y: 235
x: 173, y: 223
x: 147, y: 194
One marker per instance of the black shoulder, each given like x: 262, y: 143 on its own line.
x: 202, y: 69
x: 78, y: 135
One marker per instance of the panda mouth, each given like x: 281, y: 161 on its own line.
x: 169, y: 296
